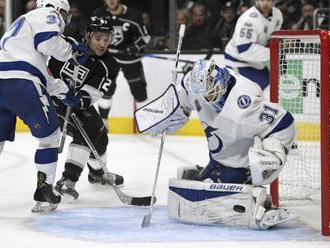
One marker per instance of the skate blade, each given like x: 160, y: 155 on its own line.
x: 43, y: 207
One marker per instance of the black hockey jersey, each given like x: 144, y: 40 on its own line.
x: 128, y: 32
x: 95, y: 77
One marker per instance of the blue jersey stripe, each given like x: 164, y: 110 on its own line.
x: 285, y: 122
x: 195, y: 195
x: 46, y: 156
x: 23, y: 66
x: 43, y: 36
x: 244, y: 47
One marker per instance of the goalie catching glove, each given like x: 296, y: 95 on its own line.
x: 173, y: 123
x: 162, y: 114
x: 266, y: 159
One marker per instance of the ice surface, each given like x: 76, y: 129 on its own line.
x: 98, y: 219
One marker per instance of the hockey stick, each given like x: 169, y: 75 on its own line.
x: 149, y: 55
x: 147, y: 218
x: 68, y: 109
x: 126, y: 199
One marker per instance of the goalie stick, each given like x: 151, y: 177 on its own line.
x: 124, y: 198
x: 147, y: 218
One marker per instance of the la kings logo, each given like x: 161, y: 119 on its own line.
x: 67, y: 73
x: 118, y: 33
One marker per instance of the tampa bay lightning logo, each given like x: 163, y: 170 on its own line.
x: 215, y: 142
x: 51, y: 19
x: 244, y: 101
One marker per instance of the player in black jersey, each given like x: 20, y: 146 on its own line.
x: 94, y: 78
x: 130, y: 37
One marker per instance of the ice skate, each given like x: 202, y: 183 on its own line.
x: 66, y: 188
x: 46, y: 199
x: 105, y: 177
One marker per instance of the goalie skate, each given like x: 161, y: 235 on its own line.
x: 271, y: 218
x: 274, y: 217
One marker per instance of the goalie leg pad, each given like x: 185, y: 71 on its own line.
x: 208, y: 203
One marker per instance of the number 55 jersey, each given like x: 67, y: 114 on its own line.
x: 247, y: 47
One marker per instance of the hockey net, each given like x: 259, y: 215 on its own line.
x: 300, y: 83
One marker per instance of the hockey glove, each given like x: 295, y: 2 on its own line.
x: 79, y: 51
x: 266, y: 159
x: 72, y: 99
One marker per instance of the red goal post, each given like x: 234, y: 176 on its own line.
x: 299, y: 65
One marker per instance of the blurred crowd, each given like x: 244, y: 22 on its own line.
x: 210, y: 23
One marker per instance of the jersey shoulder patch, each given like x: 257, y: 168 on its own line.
x: 244, y: 101
x: 254, y: 14
x: 51, y: 19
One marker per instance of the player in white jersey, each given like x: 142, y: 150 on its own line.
x: 26, y: 86
x: 247, y: 51
x: 248, y: 140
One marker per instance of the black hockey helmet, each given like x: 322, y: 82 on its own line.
x: 99, y: 24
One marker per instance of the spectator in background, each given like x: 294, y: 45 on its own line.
x: 291, y: 10
x: 182, y: 17
x: 306, y: 21
x: 2, y: 17
x: 146, y: 19
x: 199, y: 35
x: 224, y: 29
x: 156, y: 42
x: 76, y: 28
x: 244, y: 6
x: 30, y: 5
x: 129, y: 39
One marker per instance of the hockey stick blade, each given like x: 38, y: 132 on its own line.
x: 142, y: 201
x: 132, y: 200
x: 146, y: 221
x: 125, y: 199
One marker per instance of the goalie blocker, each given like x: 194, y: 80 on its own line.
x: 228, y: 204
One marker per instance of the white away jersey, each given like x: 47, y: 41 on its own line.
x: 29, y: 41
x: 245, y: 114
x: 252, y: 33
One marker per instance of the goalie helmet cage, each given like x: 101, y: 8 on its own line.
x: 299, y: 67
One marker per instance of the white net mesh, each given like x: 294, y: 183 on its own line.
x: 299, y: 93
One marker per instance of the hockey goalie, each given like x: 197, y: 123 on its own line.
x: 248, y: 139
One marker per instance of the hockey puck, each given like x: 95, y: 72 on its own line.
x: 239, y: 209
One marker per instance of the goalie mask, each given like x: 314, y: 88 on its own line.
x: 210, y: 81
x: 61, y: 6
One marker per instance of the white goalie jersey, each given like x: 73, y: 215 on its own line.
x: 247, y: 47
x: 245, y: 114
x: 26, y: 46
